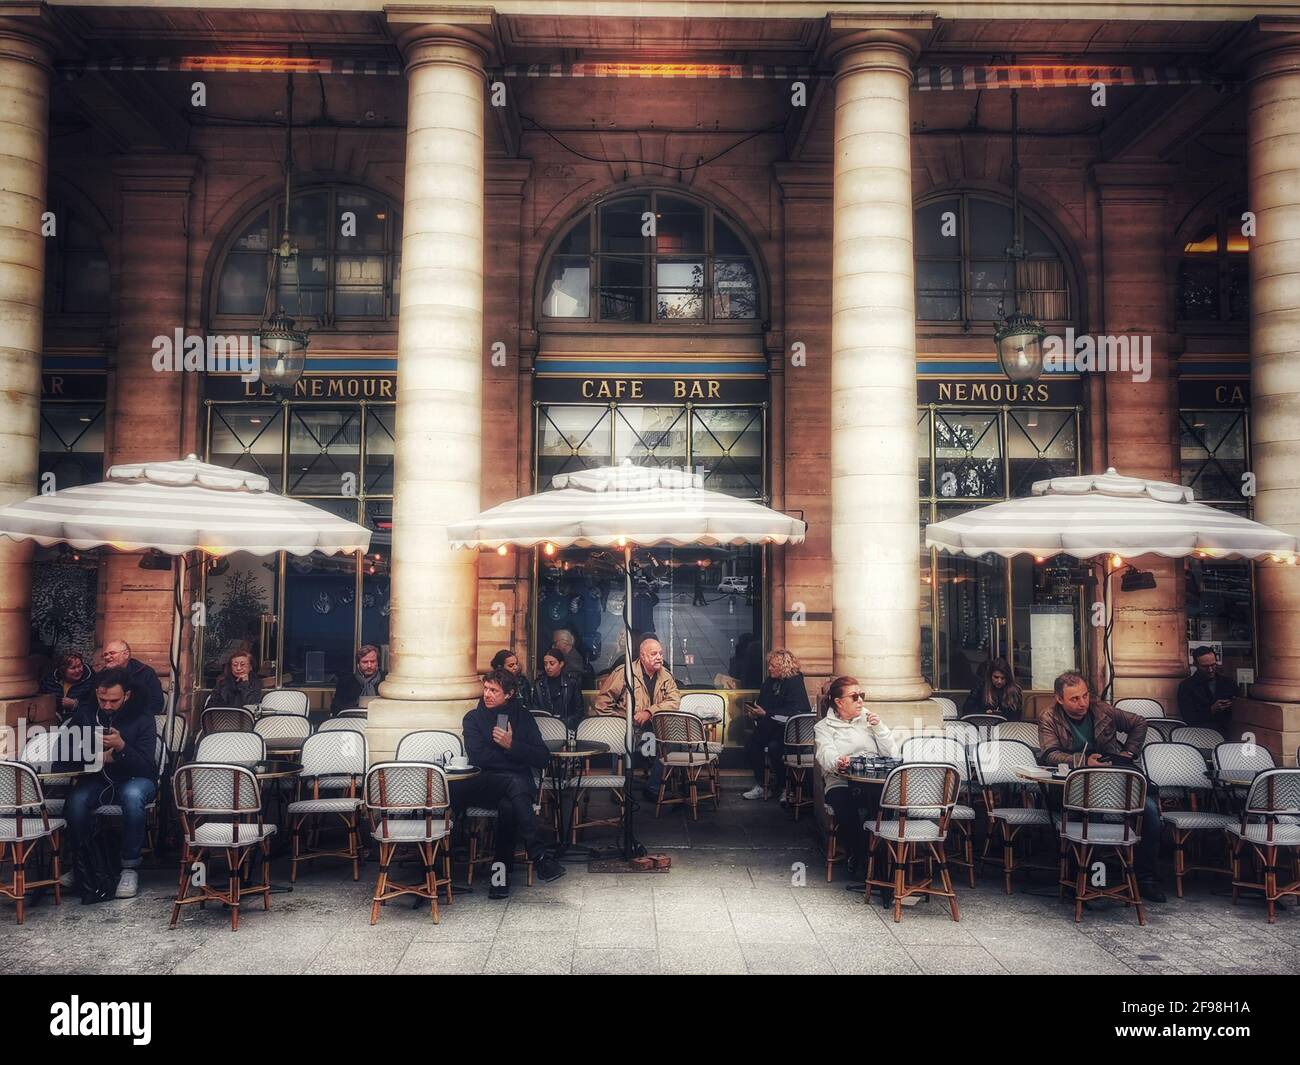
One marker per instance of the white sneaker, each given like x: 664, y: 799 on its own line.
x: 756, y: 792
x: 129, y: 886
x: 68, y: 879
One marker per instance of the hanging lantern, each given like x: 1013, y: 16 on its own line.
x: 1019, y: 340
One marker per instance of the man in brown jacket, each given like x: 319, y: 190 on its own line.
x: 653, y: 688
x: 1079, y: 730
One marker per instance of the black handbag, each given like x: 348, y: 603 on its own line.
x: 97, y: 863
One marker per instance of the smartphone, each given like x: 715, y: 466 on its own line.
x: 503, y: 721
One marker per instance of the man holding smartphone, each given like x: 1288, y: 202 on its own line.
x: 128, y: 778
x: 502, y: 740
x: 1205, y: 698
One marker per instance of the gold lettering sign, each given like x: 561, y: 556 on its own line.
x: 992, y: 392
x: 1234, y: 395
x: 332, y: 387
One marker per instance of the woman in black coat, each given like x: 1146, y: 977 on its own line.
x: 238, y: 685
x: 558, y: 691
x: 70, y: 683
x: 996, y: 693
x: 782, y: 695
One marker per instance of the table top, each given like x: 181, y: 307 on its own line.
x: 1039, y: 775
x: 581, y: 748
x: 464, y: 773
x: 275, y: 770
x: 863, y: 780
x: 54, y: 775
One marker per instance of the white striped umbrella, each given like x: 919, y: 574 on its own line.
x: 1107, y: 514
x: 180, y: 506
x: 623, y: 506
x: 176, y: 507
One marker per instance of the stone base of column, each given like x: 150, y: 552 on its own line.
x: 915, y: 713
x: 34, y: 710
x: 1275, y: 726
x: 388, y: 720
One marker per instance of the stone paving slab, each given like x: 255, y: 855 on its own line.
x: 736, y: 901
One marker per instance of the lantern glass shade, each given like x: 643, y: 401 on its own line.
x: 284, y: 352
x: 1019, y: 342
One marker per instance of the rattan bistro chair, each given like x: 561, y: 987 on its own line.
x: 356, y: 711
x: 283, y: 732
x: 220, y: 806
x: 1165, y: 726
x: 551, y: 728
x: 1025, y: 732
x: 285, y: 701
x: 429, y: 745
x: 42, y: 752
x: 984, y: 720
x: 947, y: 707
x: 1102, y: 811
x: 953, y: 752
x: 800, y: 751
x: 24, y: 822
x: 611, y: 731
x: 409, y: 804
x: 1268, y: 826
x: 329, y: 758
x: 226, y: 719
x: 996, y: 762
x: 709, y: 707
x: 1180, y: 766
x: 1241, y: 760
x: 915, y: 812
x: 235, y: 748
x: 1149, y: 708
x: 1203, y: 739
x: 681, y: 743
x: 342, y: 724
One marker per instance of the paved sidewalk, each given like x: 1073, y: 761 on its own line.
x: 732, y: 903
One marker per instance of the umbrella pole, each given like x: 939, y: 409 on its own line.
x: 630, y: 688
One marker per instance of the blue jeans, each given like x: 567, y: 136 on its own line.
x: 132, y: 795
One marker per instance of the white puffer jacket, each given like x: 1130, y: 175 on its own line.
x: 836, y: 738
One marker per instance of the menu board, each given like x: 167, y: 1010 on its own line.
x: 1051, y: 638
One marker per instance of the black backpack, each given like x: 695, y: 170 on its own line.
x: 97, y: 863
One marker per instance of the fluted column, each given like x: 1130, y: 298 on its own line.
x: 1273, y: 168
x: 875, y: 560
x: 437, y: 477
x: 25, y: 68
x: 1149, y: 639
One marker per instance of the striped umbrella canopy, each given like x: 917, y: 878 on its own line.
x: 1108, y: 514
x: 180, y: 506
x: 621, y: 505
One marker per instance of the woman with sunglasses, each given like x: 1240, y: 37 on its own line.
x: 848, y: 728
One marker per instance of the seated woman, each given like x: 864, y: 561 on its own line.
x: 848, y: 729
x: 997, y: 693
x: 558, y: 691
x: 238, y: 685
x: 70, y: 683
x: 509, y: 661
x: 782, y: 695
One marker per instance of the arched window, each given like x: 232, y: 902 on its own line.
x: 76, y: 268
x: 962, y: 270
x: 348, y: 265
x: 651, y: 257
x: 1214, y: 276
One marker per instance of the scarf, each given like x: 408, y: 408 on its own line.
x: 369, y: 685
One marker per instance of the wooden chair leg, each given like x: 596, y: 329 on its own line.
x: 381, y: 884
x: 234, y: 866
x: 20, y: 879
x: 1080, y: 885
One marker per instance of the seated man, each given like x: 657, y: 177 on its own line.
x: 361, y: 684
x: 654, y: 690
x: 508, y: 757
x: 129, y: 776
x: 1205, y: 698
x: 144, y: 681
x: 1078, y: 730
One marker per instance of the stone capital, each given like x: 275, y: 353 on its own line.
x: 1266, y: 47
x: 859, y: 50
x: 144, y: 174
x: 436, y: 34
x: 28, y: 34
x: 1142, y: 183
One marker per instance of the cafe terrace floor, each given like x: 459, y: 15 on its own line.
x: 727, y: 906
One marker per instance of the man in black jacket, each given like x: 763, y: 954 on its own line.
x: 129, y: 775
x: 146, y: 689
x: 1205, y: 698
x: 508, y: 757
x: 363, y: 683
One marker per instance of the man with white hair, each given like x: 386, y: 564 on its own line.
x: 566, y: 642
x: 654, y: 690
x: 145, y: 685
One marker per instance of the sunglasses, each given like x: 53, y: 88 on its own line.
x: 859, y: 697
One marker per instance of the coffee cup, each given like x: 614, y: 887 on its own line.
x: 1063, y: 770
x: 460, y: 761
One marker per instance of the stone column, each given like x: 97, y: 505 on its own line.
x: 1273, y: 168
x: 438, y: 469
x: 153, y: 194
x: 25, y: 68
x: 875, y: 569
x: 1149, y: 647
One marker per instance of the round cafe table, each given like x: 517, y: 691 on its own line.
x: 567, y: 759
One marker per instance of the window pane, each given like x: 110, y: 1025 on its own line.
x: 248, y: 438
x: 938, y: 286
x: 620, y: 225
x: 725, y: 240
x: 376, y: 585
x: 72, y: 443
x: 1212, y: 448
x: 371, y: 218
x: 1217, y: 602
x: 320, y: 596
x: 236, y: 599
x: 968, y: 455
x: 255, y: 237
x: 397, y: 282
x: 972, y: 592
x: 735, y: 289
x: 324, y: 444
x: 928, y: 229
x: 1040, y: 444
x: 243, y: 285
x: 568, y: 288
x: 379, y: 449
x: 679, y: 290
x: 927, y: 606
x: 622, y: 289
x: 728, y: 443
x: 1198, y: 290
x: 578, y: 240
x: 309, y: 221
x: 1046, y: 621
x: 650, y: 436
x: 570, y: 438
x: 991, y: 228
x: 1036, y: 241
x: 679, y: 226
x: 1206, y: 242
x: 85, y: 282
x: 360, y: 286
x: 923, y: 443
x: 1238, y: 282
